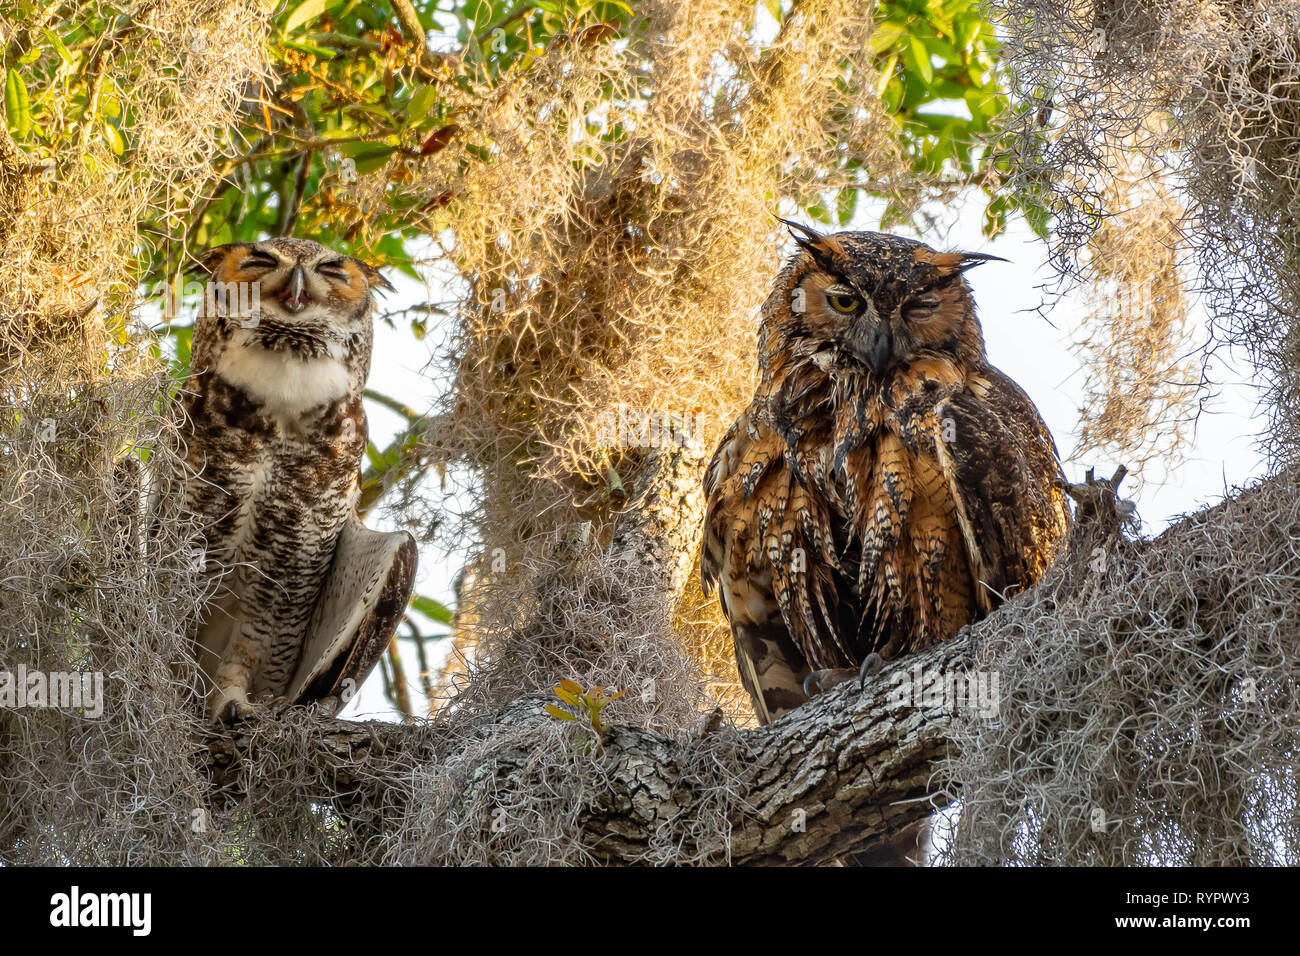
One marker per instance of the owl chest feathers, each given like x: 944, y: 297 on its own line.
x: 284, y: 388
x: 286, y: 382
x: 844, y: 503
x: 879, y: 469
x: 278, y: 436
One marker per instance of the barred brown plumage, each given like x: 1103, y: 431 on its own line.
x: 305, y: 598
x: 886, y: 485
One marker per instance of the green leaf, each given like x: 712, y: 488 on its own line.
x: 17, y: 110
x: 845, y: 206
x: 183, y: 335
x: 363, y: 147
x: 967, y: 29
x: 421, y: 103
x: 983, y: 104
x: 948, y: 90
x: 58, y: 45
x: 938, y: 124
x: 995, y: 217
x: 372, y: 162
x: 886, y: 35
x: 319, y: 51
x: 935, y: 46
x: 919, y: 59
x: 368, y: 157
x: 305, y: 11
x: 434, y: 610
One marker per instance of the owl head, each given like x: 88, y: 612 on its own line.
x: 297, y: 281
x: 870, y: 302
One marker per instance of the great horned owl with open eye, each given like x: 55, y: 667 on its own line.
x: 305, y: 599
x: 886, y: 485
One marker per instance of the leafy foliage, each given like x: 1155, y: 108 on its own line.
x: 586, y: 705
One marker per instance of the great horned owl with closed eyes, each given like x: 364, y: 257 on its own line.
x: 304, y: 599
x: 886, y: 485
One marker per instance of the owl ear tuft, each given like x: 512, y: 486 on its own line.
x: 206, y: 262
x: 821, y: 247
x: 956, y: 263
x: 374, y: 278
x: 969, y: 260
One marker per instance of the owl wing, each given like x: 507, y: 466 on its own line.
x: 734, y: 558
x: 362, y: 600
x: 1005, y: 477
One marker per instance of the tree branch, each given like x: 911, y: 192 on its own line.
x: 836, y: 775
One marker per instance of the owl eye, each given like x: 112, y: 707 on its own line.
x: 334, y: 269
x: 844, y: 304
x: 919, y: 308
x: 259, y: 260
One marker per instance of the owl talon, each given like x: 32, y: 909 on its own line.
x: 232, y: 712
x: 228, y: 707
x: 818, y: 682
x: 871, y: 664
x: 235, y: 710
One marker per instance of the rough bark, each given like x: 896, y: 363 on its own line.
x: 836, y: 775
x: 660, y: 530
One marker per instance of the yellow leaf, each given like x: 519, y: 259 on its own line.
x: 885, y: 36
x: 561, y: 714
x: 886, y: 74
x: 115, y: 141
x: 573, y: 687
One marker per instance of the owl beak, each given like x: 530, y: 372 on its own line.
x: 881, y: 351
x: 295, y: 296
x: 872, y: 342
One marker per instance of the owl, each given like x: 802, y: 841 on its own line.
x: 304, y: 598
x: 886, y: 485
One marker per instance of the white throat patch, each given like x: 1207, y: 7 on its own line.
x: 281, y: 381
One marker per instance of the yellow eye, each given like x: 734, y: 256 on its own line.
x: 847, y: 304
